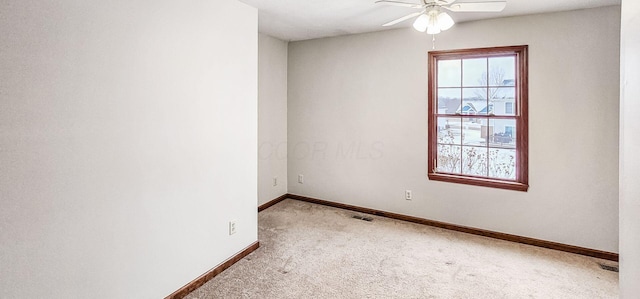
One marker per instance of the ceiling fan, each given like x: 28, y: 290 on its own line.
x: 431, y: 17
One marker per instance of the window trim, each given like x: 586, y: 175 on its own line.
x: 521, y: 183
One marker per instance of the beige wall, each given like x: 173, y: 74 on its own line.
x: 358, y: 127
x: 128, y: 140
x: 272, y: 118
x: 629, y: 149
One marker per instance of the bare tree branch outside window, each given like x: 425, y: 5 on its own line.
x: 496, y: 78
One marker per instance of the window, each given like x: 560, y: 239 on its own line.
x: 508, y: 107
x: 478, y: 117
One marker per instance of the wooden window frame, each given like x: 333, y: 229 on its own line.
x: 521, y: 182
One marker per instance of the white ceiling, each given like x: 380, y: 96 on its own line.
x: 294, y: 20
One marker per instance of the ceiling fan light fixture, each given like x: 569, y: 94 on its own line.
x: 433, y: 19
x: 433, y: 27
x: 421, y: 23
x: 445, y: 21
x: 433, y: 30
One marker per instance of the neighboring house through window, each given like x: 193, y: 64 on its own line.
x: 470, y: 141
x: 508, y: 107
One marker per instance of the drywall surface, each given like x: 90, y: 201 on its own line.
x: 629, y: 149
x: 128, y: 140
x: 358, y: 126
x: 272, y: 118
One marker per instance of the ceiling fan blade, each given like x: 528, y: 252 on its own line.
x: 399, y: 3
x: 488, y: 6
x: 415, y: 14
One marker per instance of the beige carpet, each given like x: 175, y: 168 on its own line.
x: 313, y: 251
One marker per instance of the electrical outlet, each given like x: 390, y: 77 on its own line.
x: 275, y: 181
x: 408, y: 195
x: 300, y: 179
x: 232, y: 227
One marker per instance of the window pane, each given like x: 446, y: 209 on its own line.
x: 504, y: 133
x: 474, y: 131
x: 509, y: 108
x: 474, y: 72
x: 449, y: 159
x: 448, y: 100
x: 473, y: 101
x: 503, y: 100
x: 474, y: 94
x: 502, y: 163
x: 475, y: 160
x: 449, y: 130
x: 449, y: 73
x: 502, y: 71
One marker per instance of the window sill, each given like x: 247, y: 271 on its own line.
x: 483, y: 182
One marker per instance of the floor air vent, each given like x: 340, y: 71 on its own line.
x: 369, y: 219
x: 609, y: 268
